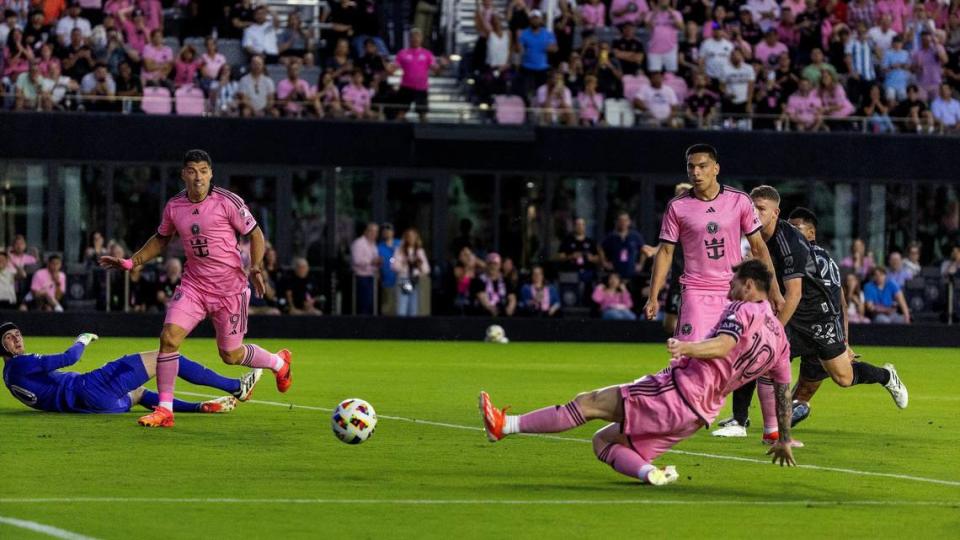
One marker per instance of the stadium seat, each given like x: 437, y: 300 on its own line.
x: 678, y: 85
x: 197, y: 43
x: 607, y: 34
x: 632, y: 84
x: 277, y: 73
x: 156, y: 100
x: 311, y: 74
x: 190, y: 101
x: 619, y: 112
x: 232, y: 51
x: 510, y: 109
x: 173, y: 43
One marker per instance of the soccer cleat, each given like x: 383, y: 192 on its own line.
x: 770, y: 438
x: 731, y: 429
x: 801, y: 410
x: 662, y: 477
x: 247, y: 383
x: 223, y: 404
x: 160, y: 417
x: 493, y: 418
x: 284, y: 379
x: 896, y: 387
x: 732, y: 420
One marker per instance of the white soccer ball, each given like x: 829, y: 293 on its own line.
x: 496, y: 334
x: 354, y: 421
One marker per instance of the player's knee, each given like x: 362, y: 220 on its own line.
x: 231, y: 357
x: 169, y: 340
x: 587, y: 400
x: 842, y: 379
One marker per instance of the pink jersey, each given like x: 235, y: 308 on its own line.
x: 762, y: 349
x: 709, y: 232
x: 416, y: 64
x: 209, y: 232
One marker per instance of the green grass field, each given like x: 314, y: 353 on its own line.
x: 273, y: 469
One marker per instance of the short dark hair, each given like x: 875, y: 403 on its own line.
x: 755, y: 270
x: 765, y: 192
x: 701, y: 148
x: 197, y: 156
x: 54, y: 257
x: 805, y: 215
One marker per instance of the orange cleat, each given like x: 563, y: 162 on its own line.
x: 223, y: 404
x: 160, y: 417
x: 493, y: 418
x: 284, y: 379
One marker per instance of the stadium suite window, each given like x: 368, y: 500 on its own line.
x: 521, y: 220
x: 138, y: 195
x: 623, y: 195
x: 310, y: 216
x: 469, y: 214
x: 837, y: 207
x: 260, y: 194
x: 410, y: 204
x: 23, y: 198
x: 573, y: 198
x: 354, y: 203
x: 84, y: 207
x: 938, y: 220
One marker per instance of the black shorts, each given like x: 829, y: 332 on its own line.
x: 406, y: 96
x: 823, y: 339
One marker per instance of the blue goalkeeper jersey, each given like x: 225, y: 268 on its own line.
x: 35, y: 379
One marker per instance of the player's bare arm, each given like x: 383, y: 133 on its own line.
x: 661, y: 266
x: 794, y: 290
x: 781, y: 449
x: 258, y: 247
x: 154, y: 247
x: 708, y: 349
x: 758, y: 248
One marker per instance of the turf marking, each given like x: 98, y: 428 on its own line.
x: 43, y: 529
x: 573, y: 439
x: 441, y: 502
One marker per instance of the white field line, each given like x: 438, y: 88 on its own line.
x: 573, y: 439
x: 42, y: 529
x: 463, y: 502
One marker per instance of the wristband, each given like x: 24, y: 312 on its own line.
x: 126, y: 264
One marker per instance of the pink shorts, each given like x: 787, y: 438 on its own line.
x: 228, y: 313
x: 655, y: 418
x: 700, y: 311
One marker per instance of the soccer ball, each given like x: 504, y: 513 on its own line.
x: 496, y: 334
x: 353, y: 421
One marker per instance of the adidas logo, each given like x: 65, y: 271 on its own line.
x: 197, y: 212
x: 711, y: 210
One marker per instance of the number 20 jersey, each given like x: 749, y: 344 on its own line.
x: 795, y: 258
x: 208, y: 230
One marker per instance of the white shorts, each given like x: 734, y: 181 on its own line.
x: 666, y: 61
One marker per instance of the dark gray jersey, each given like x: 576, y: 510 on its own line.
x: 795, y: 258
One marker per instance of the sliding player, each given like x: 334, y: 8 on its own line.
x: 36, y: 380
x: 656, y: 412
x: 208, y: 220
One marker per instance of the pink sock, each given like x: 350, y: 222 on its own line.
x: 168, y: 364
x: 624, y: 460
x: 257, y: 357
x: 552, y: 419
x: 768, y: 405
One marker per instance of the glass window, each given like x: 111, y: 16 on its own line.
x: 310, y: 216
x: 410, y: 204
x: 260, y: 194
x: 22, y: 204
x: 521, y: 222
x: 573, y: 198
x: 623, y: 195
x: 837, y: 208
x: 938, y: 220
x: 469, y: 213
x: 354, y: 206
x: 138, y: 199
x: 895, y: 202
x: 84, y: 208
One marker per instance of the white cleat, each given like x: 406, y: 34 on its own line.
x: 247, y: 383
x: 662, y: 477
x: 732, y: 429
x: 223, y: 404
x: 896, y: 387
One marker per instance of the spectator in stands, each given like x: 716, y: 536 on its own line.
x: 593, y: 16
x: 48, y: 285
x: 465, y: 269
x: 260, y: 37
x: 152, y: 12
x: 518, y: 17
x: 747, y: 27
x: 817, y: 66
x: 367, y: 25
x: 663, y: 23
x: 860, y: 57
x: 326, y: 98
x: 365, y: 262
x: 578, y: 253
x: 912, y: 262
x: 881, y: 36
x: 340, y: 64
x: 946, y: 109
x: 554, y: 101
x: 10, y: 21
x: 73, y: 21
x: 490, y: 293
x: 30, y: 94
x: 241, y: 17
x: 19, y: 256
x: 658, y: 102
x: 143, y: 294
x: 539, y: 298
x: 912, y: 113
x: 9, y: 276
x: 590, y: 103
x: 16, y: 55
x: 897, y: 10
x: 627, y: 48
x: 897, y: 272
x: 766, y: 13
x: 852, y: 293
x: 883, y: 297
x: 950, y: 265
x: 294, y: 42
x: 623, y: 251
x: 628, y: 12
x: 301, y: 290
x: 533, y: 45
x: 117, y: 52
x: 861, y: 12
x: 96, y: 249
x: 511, y: 274
x: 98, y: 89
x: 613, y: 299
x: 411, y: 264
x: 59, y: 88
x: 417, y: 63
x: 373, y: 66
x: 715, y: 54
x: 38, y: 32
x: 877, y: 112
x: 928, y: 60
x: 387, y: 248
x: 357, y: 98
x: 608, y: 73
x: 46, y: 59
x: 224, y: 93
x: 769, y: 50
x: 565, y: 30
x: 186, y: 67
x: 343, y: 15
x: 737, y: 85
x: 497, y: 72
x: 157, y: 61
x: 211, y: 61
x: 700, y: 109
x: 859, y: 261
x: 136, y: 31
x: 836, y: 106
x: 293, y: 92
x: 169, y: 280
x: 804, y: 109
x: 257, y: 91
